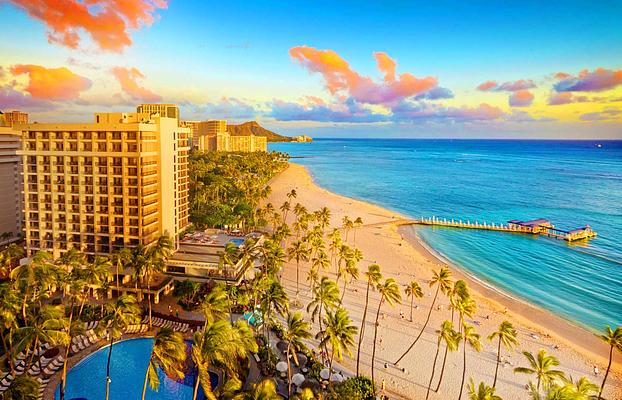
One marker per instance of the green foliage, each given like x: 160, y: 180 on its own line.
x: 355, y: 388
x: 225, y: 188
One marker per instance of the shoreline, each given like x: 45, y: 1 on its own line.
x: 403, y: 255
x: 544, y: 320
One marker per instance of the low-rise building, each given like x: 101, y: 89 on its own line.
x: 10, y: 182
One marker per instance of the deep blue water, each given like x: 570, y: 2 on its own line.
x: 571, y: 183
x: 87, y: 380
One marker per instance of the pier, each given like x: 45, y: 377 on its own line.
x: 540, y: 227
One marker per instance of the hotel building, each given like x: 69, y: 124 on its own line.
x: 10, y: 176
x: 118, y: 182
x: 213, y: 136
x: 165, y: 110
x: 10, y: 118
x: 194, y: 131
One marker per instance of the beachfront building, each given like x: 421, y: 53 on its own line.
x: 164, y: 110
x: 199, y: 257
x: 10, y: 118
x: 98, y: 187
x: 10, y: 182
x: 213, y: 136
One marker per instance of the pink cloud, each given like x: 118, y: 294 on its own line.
x: 521, y: 98
x: 595, y: 81
x: 521, y: 84
x: 340, y: 78
x: 557, y: 99
x: 128, y: 79
x: 486, y: 86
x: 106, y: 21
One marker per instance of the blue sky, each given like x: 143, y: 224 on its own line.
x: 233, y: 60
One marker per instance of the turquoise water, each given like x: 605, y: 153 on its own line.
x: 87, y: 380
x: 571, y: 183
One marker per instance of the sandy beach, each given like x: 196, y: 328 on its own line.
x: 402, y: 256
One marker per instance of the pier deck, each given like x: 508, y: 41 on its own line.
x: 537, y: 227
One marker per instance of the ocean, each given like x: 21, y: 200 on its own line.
x: 570, y: 183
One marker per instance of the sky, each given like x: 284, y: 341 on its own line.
x: 442, y: 69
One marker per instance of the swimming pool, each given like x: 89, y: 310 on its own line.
x: 237, y: 242
x: 87, y: 380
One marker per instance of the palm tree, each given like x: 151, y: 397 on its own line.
x: 120, y: 313
x: 358, y: 222
x: 614, y: 340
x: 9, y: 311
x: 442, y: 280
x: 451, y: 338
x: 273, y: 297
x: 334, y: 245
x: 389, y: 293
x: 296, y: 330
x: 221, y: 345
x: 120, y: 258
x: 325, y: 297
x: 506, y: 334
x: 93, y: 275
x: 413, y: 290
x: 471, y: 338
x: 168, y: 354
x: 323, y: 217
x: 483, y: 392
x: 541, y: 368
x: 299, y: 252
x: 23, y: 387
x: 320, y: 260
x: 8, y: 257
x: 285, y: 208
x: 374, y: 277
x: 74, y: 328
x: 46, y: 325
x: 350, y: 273
x: 215, y: 305
x: 339, y: 333
x: 346, y: 225
x: 264, y: 390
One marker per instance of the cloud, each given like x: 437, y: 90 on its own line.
x: 523, y: 116
x: 225, y: 108
x: 16, y: 100
x: 435, y: 94
x: 315, y: 109
x: 128, y: 79
x: 406, y: 111
x: 521, y: 98
x: 557, y: 99
x: 486, y: 86
x: 596, y: 81
x: 340, y: 78
x: 107, y: 22
x: 604, y: 115
x: 52, y: 83
x: 493, y: 86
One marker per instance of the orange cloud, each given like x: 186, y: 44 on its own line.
x: 521, y: 98
x: 487, y: 85
x: 128, y: 78
x: 106, y: 21
x: 52, y: 83
x: 340, y: 77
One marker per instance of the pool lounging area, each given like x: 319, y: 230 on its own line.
x: 87, y: 379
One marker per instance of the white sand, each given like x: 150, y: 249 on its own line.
x: 403, y: 258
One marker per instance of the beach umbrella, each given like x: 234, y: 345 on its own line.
x: 297, y: 379
x: 281, y: 366
x: 336, y: 378
x: 325, y: 373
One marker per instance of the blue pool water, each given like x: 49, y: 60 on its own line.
x: 571, y: 183
x: 237, y: 242
x: 87, y: 380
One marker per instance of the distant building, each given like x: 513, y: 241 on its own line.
x: 213, y: 136
x: 98, y: 187
x: 10, y: 118
x: 165, y: 110
x: 303, y: 138
x: 10, y: 182
x: 194, y: 131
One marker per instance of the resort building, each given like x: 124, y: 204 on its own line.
x: 98, y: 187
x: 194, y: 131
x: 165, y: 110
x: 10, y: 182
x: 10, y: 118
x: 213, y: 136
